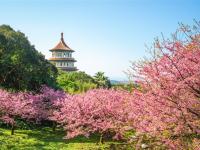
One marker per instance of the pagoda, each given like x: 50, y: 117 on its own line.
x: 62, y: 56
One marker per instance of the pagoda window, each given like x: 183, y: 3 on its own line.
x: 57, y: 64
x: 64, y: 54
x: 53, y: 54
x: 59, y: 54
x: 70, y: 64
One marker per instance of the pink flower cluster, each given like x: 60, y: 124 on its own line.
x: 99, y: 110
x: 29, y: 106
x: 169, y: 103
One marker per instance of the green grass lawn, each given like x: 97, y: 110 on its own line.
x: 45, y: 139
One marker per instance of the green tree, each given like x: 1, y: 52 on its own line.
x: 101, y: 80
x: 75, y: 82
x: 22, y: 67
x: 125, y: 86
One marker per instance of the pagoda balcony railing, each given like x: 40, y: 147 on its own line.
x: 61, y: 59
x: 68, y: 68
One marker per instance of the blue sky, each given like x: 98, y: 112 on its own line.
x: 105, y: 34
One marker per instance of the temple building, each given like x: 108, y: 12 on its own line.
x: 62, y: 56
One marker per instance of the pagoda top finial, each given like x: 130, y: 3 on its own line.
x: 62, y: 45
x: 61, y: 35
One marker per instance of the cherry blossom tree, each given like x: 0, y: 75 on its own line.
x: 169, y: 97
x: 29, y: 106
x: 14, y: 105
x: 96, y: 111
x: 49, y: 97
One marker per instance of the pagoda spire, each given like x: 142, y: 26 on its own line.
x: 62, y: 45
x: 62, y: 36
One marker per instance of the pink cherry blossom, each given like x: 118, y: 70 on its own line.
x: 98, y: 110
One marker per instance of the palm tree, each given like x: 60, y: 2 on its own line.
x: 101, y: 80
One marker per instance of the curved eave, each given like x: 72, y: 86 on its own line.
x: 69, y: 50
x: 61, y: 59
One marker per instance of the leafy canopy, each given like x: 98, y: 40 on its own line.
x: 75, y: 82
x: 101, y: 80
x: 22, y: 67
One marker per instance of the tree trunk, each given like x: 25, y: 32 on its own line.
x: 54, y: 126
x: 12, y: 129
x: 101, y: 139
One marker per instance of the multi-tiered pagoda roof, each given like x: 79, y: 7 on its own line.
x: 62, y: 56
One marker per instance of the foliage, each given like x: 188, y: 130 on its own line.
x: 101, y: 80
x: 75, y: 82
x: 79, y: 82
x: 21, y: 66
x: 169, y: 101
x: 125, y: 86
x: 96, y: 111
x: 28, y: 106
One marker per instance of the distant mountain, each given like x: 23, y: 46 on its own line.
x: 118, y: 82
